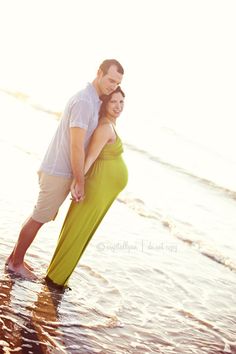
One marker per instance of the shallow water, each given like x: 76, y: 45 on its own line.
x: 139, y: 288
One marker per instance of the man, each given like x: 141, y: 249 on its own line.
x: 64, y: 159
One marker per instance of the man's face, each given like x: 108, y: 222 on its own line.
x: 109, y: 82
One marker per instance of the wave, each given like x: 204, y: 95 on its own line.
x: 204, y: 247
x: 229, y: 192
x: 139, y: 207
x: 27, y: 99
x: 201, y: 245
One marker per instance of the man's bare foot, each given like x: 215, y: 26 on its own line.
x: 9, y: 259
x: 22, y: 270
x: 28, y: 266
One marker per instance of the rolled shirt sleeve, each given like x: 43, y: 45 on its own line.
x: 80, y: 114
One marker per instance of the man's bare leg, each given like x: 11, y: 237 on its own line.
x: 16, y: 260
x: 9, y: 259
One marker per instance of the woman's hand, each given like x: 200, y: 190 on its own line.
x: 77, y: 191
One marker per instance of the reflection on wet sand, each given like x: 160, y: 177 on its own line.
x: 9, y: 333
x: 34, y: 328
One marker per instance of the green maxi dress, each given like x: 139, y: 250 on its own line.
x: 103, y: 182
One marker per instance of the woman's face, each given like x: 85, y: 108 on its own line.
x: 115, y: 105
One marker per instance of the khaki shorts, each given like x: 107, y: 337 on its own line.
x: 53, y: 192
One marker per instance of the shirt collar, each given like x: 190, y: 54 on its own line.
x: 93, y: 92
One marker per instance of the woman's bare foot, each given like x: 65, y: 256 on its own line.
x: 22, y: 270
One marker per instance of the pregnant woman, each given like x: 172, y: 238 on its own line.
x: 105, y: 177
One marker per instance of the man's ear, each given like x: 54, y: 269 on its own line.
x: 100, y: 73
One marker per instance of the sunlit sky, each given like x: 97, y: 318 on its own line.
x: 179, y: 56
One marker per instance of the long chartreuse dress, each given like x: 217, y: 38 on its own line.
x: 103, y: 182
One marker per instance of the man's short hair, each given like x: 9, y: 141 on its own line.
x: 106, y: 64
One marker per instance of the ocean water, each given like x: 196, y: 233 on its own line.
x: 158, y: 276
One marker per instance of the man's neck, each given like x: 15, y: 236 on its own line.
x: 95, y: 85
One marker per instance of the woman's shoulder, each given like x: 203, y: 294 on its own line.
x: 105, y: 126
x: 106, y: 129
x: 104, y: 121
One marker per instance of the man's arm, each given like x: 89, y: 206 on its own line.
x: 77, y: 156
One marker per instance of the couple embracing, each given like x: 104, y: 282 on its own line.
x: 84, y: 158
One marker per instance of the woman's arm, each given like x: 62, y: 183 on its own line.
x: 102, y: 134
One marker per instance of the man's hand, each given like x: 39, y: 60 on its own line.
x: 77, y: 191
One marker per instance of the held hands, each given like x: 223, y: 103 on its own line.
x: 77, y: 191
